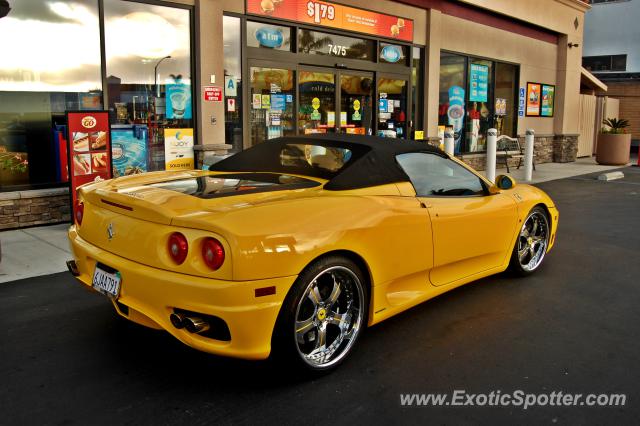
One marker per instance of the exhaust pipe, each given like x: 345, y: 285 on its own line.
x: 177, y: 320
x: 195, y: 325
x: 73, y: 268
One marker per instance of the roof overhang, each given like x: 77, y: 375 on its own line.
x: 591, y: 81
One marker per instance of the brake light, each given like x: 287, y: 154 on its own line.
x: 78, y: 211
x: 213, y: 253
x: 178, y: 247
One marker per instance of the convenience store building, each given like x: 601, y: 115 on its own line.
x: 230, y: 74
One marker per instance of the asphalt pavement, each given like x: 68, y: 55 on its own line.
x: 66, y: 358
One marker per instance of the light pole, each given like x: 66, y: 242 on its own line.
x: 155, y: 74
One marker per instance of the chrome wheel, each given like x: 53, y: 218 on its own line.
x: 329, y: 316
x: 533, y: 240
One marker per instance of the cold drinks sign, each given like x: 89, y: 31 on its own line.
x: 89, y: 148
x: 333, y: 15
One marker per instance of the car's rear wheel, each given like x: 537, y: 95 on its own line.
x: 533, y: 241
x: 323, y: 315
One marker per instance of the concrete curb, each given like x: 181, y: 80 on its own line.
x: 611, y: 176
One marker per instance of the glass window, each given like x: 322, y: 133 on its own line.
x: 148, y: 53
x: 232, y: 82
x: 392, y: 107
x: 433, y: 175
x: 451, y: 110
x: 476, y: 95
x: 479, y: 105
x: 505, y: 99
x: 393, y: 53
x: 605, y: 63
x: 272, y: 103
x: 356, y: 109
x: 50, y: 64
x: 268, y: 36
x: 317, y: 110
x: 317, y: 43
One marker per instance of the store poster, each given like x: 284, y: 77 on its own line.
x: 89, y: 153
x: 548, y: 99
x: 278, y: 103
x: 129, y: 150
x: 501, y: 106
x: 455, y: 114
x: 230, y: 86
x: 178, y: 149
x: 533, y: 99
x: 178, y: 101
x: 328, y: 14
x: 256, y: 101
x: 479, y: 83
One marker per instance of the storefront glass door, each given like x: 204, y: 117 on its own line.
x: 272, y: 94
x: 317, y: 106
x: 355, y: 102
x: 392, y: 106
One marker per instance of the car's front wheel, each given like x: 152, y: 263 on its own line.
x: 532, y: 243
x: 323, y: 315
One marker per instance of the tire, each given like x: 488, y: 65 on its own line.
x: 533, y: 241
x: 322, y: 316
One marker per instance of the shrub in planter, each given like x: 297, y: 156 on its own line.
x: 614, y: 143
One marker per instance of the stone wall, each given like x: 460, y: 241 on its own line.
x: 543, y: 150
x: 37, y: 207
x: 565, y: 148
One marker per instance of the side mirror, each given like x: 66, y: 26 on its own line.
x: 505, y: 182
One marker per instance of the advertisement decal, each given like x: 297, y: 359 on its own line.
x: 178, y: 101
x: 178, y: 149
x: 548, y: 99
x: 455, y: 114
x: 328, y: 14
x: 479, y: 83
x: 129, y: 150
x: 89, y: 148
x: 533, y: 100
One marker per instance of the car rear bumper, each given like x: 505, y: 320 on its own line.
x: 150, y: 295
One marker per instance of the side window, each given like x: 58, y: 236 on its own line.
x: 433, y: 175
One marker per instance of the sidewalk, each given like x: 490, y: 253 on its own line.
x: 34, y: 251
x: 552, y: 171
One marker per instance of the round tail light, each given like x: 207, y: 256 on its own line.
x: 178, y: 247
x: 213, y: 253
x: 78, y: 212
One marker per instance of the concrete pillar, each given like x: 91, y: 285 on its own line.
x: 492, y: 141
x: 567, y: 106
x: 209, y: 54
x: 528, y: 155
x: 432, y: 78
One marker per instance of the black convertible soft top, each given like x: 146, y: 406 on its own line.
x: 373, y: 159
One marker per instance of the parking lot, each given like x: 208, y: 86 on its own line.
x: 65, y: 358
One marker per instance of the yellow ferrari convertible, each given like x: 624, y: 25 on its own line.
x: 292, y: 247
